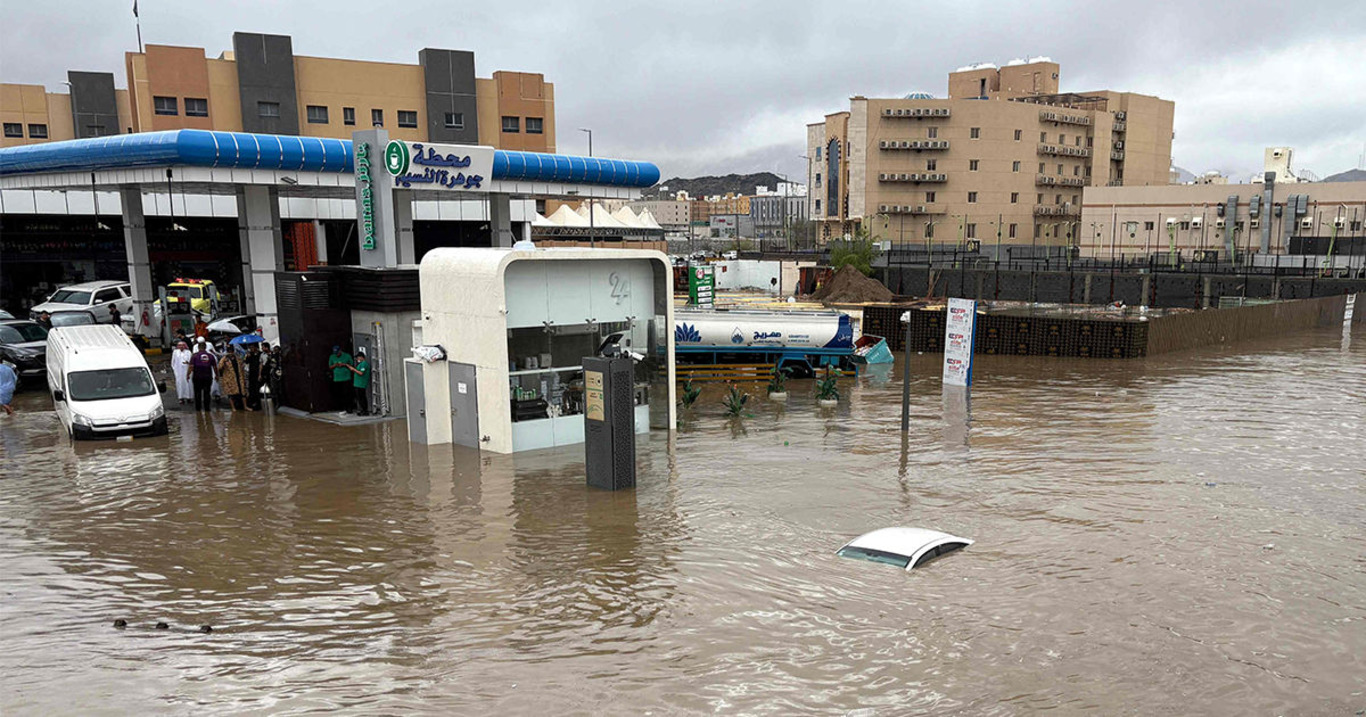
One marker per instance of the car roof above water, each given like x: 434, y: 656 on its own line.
x: 904, y: 541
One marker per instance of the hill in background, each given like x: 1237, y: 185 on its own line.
x: 698, y: 187
x: 1351, y: 175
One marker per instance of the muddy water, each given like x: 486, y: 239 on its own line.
x: 1175, y: 536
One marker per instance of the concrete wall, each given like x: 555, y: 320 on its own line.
x: 94, y: 109
x: 448, y: 78
x: 397, y: 332
x: 1204, y: 328
x: 265, y: 73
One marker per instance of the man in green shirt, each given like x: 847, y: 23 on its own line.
x: 340, y: 364
x: 360, y: 382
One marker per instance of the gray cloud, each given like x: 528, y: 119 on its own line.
x: 719, y: 87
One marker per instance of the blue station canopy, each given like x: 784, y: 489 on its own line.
x: 240, y: 150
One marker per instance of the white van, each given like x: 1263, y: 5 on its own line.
x: 100, y: 383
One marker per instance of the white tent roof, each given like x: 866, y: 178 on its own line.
x: 648, y: 220
x: 627, y: 217
x: 601, y: 218
x: 566, y: 217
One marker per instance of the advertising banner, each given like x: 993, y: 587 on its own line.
x: 701, y: 285
x: 959, y: 334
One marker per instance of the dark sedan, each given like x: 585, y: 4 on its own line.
x: 24, y: 344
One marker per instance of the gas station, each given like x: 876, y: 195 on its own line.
x: 386, y: 180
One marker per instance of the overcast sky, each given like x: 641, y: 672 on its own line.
x: 723, y: 87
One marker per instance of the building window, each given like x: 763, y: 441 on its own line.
x: 1185, y: 226
x: 818, y: 181
x: 1038, y: 198
x: 535, y: 125
x: 94, y: 130
x: 1062, y: 138
x: 818, y: 206
x: 975, y: 133
x: 972, y: 231
x: 455, y: 120
x: 268, y: 109
x: 1014, y: 197
x: 818, y: 153
x: 972, y: 165
x: 1078, y: 140
x: 1090, y: 141
x: 929, y: 197
x: 37, y: 131
x: 1012, y: 230
x: 1074, y: 199
x: 931, y: 164
x: 377, y: 118
x: 1148, y: 226
x: 512, y: 124
x: 934, y: 132
x: 165, y: 106
x: 14, y: 129
x: 1076, y: 171
x: 349, y: 116
x: 1059, y: 170
x: 407, y: 118
x: 1041, y: 168
x: 972, y: 197
x: 1015, y: 166
x: 1057, y: 199
x: 196, y: 107
x: 317, y: 114
x: 1043, y: 136
x: 1018, y: 134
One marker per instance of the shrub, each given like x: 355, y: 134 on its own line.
x: 777, y: 383
x: 689, y: 395
x: 827, y: 389
x: 735, y: 401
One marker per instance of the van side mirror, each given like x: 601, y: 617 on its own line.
x: 59, y: 395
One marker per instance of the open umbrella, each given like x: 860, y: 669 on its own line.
x: 224, y: 326
x: 245, y: 339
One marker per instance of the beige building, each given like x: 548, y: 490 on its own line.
x: 1004, y: 158
x: 438, y: 99
x: 673, y: 215
x: 1251, y: 218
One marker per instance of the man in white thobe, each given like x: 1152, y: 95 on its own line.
x: 180, y: 366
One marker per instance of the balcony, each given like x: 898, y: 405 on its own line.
x: 909, y: 209
x: 1071, y: 181
x: 1045, y: 180
x: 1120, y: 125
x: 916, y: 177
x: 1117, y: 155
x: 1064, y: 151
x: 915, y: 112
x: 918, y: 145
x: 1056, y: 210
x: 1064, y: 118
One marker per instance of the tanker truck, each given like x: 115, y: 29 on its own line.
x: 801, y: 341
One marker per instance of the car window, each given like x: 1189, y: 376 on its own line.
x: 125, y: 291
x: 935, y: 552
x: 876, y: 556
x: 22, y: 333
x: 71, y: 318
x: 67, y: 296
x: 104, y: 295
x: 196, y: 292
x: 109, y: 384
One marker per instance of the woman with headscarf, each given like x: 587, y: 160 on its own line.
x: 180, y: 366
x: 232, y: 378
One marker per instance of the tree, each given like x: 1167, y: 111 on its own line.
x: 858, y: 251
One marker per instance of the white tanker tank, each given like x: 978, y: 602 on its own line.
x: 821, y: 332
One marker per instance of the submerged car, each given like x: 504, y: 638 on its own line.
x: 24, y: 344
x: 903, y: 547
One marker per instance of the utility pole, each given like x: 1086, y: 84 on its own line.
x: 592, y: 227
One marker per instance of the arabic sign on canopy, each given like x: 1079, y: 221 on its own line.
x: 959, y: 334
x: 421, y: 165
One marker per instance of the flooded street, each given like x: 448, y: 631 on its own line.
x: 1177, y: 535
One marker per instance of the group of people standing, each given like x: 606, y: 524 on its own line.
x: 238, y: 376
x: 350, y: 380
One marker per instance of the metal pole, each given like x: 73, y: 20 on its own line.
x: 592, y: 226
x: 906, y: 378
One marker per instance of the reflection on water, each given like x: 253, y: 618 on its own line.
x: 1181, y: 535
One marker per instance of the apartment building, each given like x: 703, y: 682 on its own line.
x: 1003, y: 159
x: 671, y: 214
x: 260, y: 85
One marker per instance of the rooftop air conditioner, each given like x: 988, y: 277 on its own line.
x: 1195, y: 222
x: 1171, y: 221
x: 920, y: 209
x: 905, y: 144
x: 1120, y: 115
x: 882, y: 207
x: 1307, y: 223
x: 887, y: 112
x: 1339, y: 223
x: 903, y: 177
x: 882, y: 177
x: 1255, y: 223
x: 1219, y: 223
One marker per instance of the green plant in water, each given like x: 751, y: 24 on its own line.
x: 690, y: 394
x: 827, y: 389
x: 777, y: 382
x: 735, y: 401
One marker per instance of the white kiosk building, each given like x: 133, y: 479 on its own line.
x: 514, y: 326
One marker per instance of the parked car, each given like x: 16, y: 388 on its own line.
x: 903, y: 547
x: 97, y: 297
x: 24, y: 344
x: 72, y: 318
x: 5, y: 314
x: 101, y: 385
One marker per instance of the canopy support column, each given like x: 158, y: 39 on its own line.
x: 403, y: 225
x: 320, y: 240
x: 139, y: 263
x: 258, y: 215
x: 500, y: 220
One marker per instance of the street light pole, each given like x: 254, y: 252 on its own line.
x: 592, y: 227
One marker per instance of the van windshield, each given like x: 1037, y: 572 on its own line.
x: 109, y: 383
x: 67, y: 296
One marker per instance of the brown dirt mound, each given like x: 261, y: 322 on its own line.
x: 850, y: 286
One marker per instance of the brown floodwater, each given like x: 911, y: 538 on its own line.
x: 1179, y: 535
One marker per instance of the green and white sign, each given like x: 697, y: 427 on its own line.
x: 701, y: 285
x: 397, y: 157
x: 365, y: 190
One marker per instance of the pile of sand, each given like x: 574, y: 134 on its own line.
x: 850, y: 286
